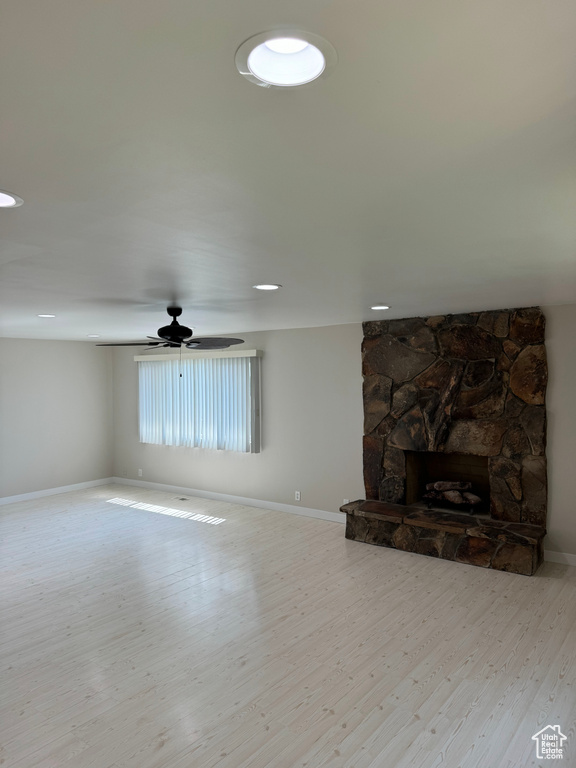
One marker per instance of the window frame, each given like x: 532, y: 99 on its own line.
x: 255, y: 389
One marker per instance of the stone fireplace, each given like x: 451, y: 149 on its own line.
x: 457, y: 397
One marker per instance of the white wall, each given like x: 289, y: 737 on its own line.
x: 561, y: 411
x: 55, y: 414
x: 311, y: 425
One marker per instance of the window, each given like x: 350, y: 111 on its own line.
x: 201, y: 401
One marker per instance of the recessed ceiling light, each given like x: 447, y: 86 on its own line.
x: 286, y: 45
x: 8, y: 200
x: 267, y: 287
x: 284, y: 59
x: 93, y: 335
x: 380, y: 306
x: 46, y: 315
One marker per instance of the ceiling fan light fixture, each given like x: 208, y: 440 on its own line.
x: 284, y: 59
x: 9, y: 200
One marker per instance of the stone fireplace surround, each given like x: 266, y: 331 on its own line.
x: 469, y: 384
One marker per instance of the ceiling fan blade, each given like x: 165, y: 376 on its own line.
x: 218, y: 340
x: 126, y: 344
x: 212, y: 342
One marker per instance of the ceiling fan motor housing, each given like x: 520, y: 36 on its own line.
x: 174, y: 332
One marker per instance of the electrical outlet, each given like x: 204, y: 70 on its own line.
x: 346, y: 501
x: 139, y: 473
x: 296, y: 495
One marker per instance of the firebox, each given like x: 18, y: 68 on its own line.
x: 424, y: 468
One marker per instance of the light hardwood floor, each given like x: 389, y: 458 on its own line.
x: 133, y: 639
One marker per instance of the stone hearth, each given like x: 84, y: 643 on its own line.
x: 471, y: 539
x: 471, y: 384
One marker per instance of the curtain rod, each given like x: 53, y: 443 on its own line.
x: 195, y: 355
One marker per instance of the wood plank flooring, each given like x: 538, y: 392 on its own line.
x: 132, y: 638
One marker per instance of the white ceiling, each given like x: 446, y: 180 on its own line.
x: 433, y: 170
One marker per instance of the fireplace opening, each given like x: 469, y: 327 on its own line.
x: 467, y: 473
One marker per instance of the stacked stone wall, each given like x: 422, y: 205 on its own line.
x: 473, y: 383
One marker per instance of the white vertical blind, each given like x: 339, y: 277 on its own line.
x: 213, y: 404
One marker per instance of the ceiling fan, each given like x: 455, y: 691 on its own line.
x: 176, y: 335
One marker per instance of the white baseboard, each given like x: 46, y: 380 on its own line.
x: 54, y: 491
x: 320, y: 514
x: 559, y: 557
